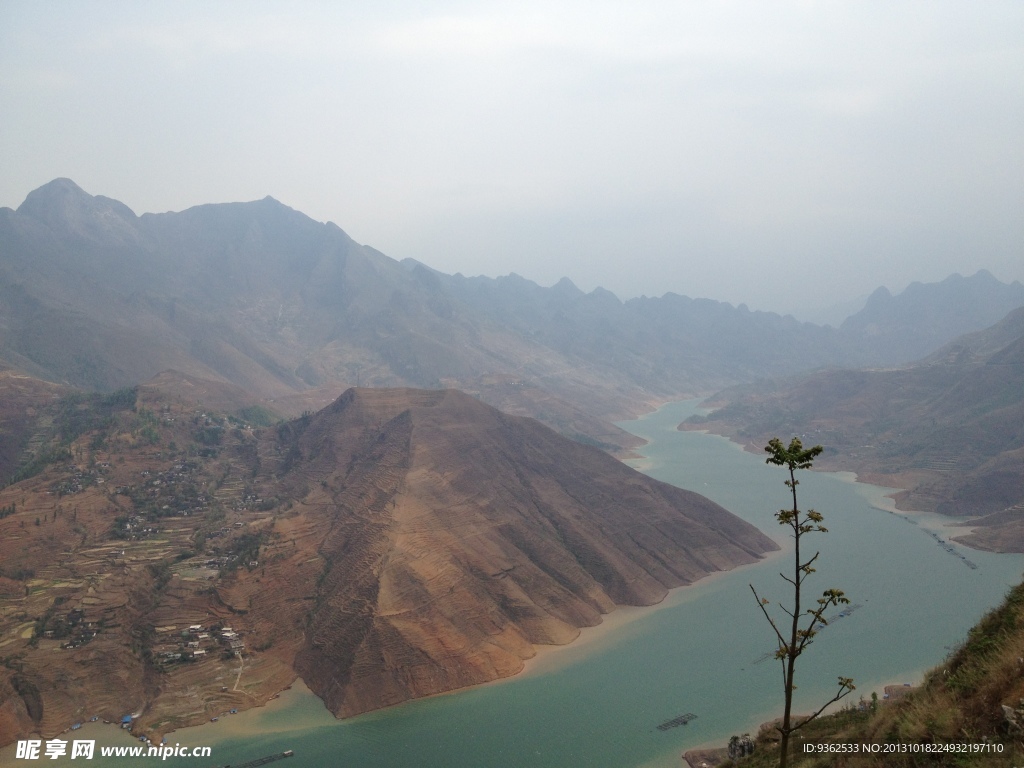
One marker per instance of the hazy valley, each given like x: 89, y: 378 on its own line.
x: 240, y: 447
x: 949, y: 428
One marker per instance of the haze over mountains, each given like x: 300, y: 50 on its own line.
x: 291, y: 312
x: 924, y: 317
x: 263, y: 297
x: 389, y: 544
x: 949, y: 428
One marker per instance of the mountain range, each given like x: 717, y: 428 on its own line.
x: 261, y: 296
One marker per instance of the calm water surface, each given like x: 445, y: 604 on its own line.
x: 600, y: 707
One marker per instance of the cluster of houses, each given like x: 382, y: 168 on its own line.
x: 174, y: 487
x: 224, y: 530
x: 168, y: 493
x: 73, y: 628
x: 135, y: 527
x: 196, y: 642
x: 248, y: 502
x: 77, y: 479
x: 216, y: 563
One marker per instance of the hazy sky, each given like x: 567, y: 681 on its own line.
x: 774, y: 153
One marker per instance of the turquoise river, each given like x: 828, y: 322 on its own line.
x: 597, y: 702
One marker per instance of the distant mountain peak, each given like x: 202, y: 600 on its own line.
x: 58, y: 186
x: 62, y: 204
x: 565, y: 285
x: 56, y: 192
x: 604, y: 294
x: 924, y: 316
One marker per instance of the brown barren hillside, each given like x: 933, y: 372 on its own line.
x: 23, y: 401
x: 461, y: 537
x: 172, y: 562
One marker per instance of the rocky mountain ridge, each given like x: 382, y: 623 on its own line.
x: 922, y: 318
x: 261, y: 296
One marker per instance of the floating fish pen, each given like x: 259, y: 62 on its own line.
x: 263, y: 760
x: 675, y: 722
x: 952, y: 550
x: 843, y: 613
x: 817, y: 628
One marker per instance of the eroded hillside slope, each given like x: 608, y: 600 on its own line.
x: 479, y: 535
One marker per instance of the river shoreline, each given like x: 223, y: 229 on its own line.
x: 602, y: 695
x: 259, y: 720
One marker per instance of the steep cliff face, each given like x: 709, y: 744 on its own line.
x: 460, y: 537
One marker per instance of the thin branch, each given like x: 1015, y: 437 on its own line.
x: 843, y: 691
x: 761, y: 604
x: 809, y: 562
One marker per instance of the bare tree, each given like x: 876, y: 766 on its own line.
x: 794, y: 639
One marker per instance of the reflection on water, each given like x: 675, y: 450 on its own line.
x: 702, y: 653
